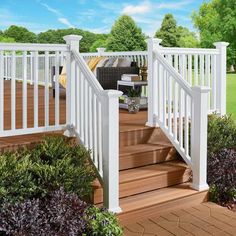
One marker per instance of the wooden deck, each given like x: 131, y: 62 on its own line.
x: 203, y: 219
x: 127, y: 121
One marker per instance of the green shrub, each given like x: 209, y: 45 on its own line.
x: 221, y: 133
x: 52, y: 164
x: 102, y: 222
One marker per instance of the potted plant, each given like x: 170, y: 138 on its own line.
x: 133, y: 100
x: 134, y: 94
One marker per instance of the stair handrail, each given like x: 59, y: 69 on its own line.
x: 93, y: 117
x: 92, y: 80
x: 180, y: 111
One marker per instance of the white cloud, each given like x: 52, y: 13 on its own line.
x: 173, y: 5
x: 52, y: 10
x: 138, y: 9
x: 65, y: 22
x: 60, y: 16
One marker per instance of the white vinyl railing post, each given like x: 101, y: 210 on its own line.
x: 110, y: 140
x: 221, y: 64
x: 152, y: 43
x: 199, y: 137
x: 101, y: 51
x: 73, y: 43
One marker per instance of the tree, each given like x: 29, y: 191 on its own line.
x: 6, y: 39
x: 168, y: 32
x: 187, y: 39
x: 20, y: 34
x: 216, y: 21
x: 56, y: 36
x: 126, y: 36
x: 100, y: 43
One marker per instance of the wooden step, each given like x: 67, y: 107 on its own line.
x: 143, y: 179
x: 135, y: 136
x: 141, y: 135
x: 145, y: 154
x: 158, y: 201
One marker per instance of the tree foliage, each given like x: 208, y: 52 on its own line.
x: 168, y: 32
x: 20, y: 34
x: 6, y: 39
x: 216, y: 21
x: 173, y: 35
x: 187, y: 39
x: 126, y: 36
x: 56, y: 36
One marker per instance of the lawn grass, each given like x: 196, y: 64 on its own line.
x: 231, y: 94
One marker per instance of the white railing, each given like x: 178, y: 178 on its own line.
x: 180, y: 107
x: 140, y: 57
x: 93, y: 115
x: 10, y: 71
x: 30, y: 61
x: 176, y: 103
x: 202, y: 67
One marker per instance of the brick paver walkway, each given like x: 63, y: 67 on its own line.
x: 201, y: 220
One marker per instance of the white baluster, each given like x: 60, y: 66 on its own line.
x: 46, y: 90
x: 13, y: 90
x: 24, y: 96
x: 57, y: 91
x: 35, y: 89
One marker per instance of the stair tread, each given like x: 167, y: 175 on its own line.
x: 151, y: 170
x: 155, y: 197
x: 148, y: 171
x: 141, y: 148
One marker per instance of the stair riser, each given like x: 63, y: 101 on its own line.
x: 135, y: 137
x: 147, y: 184
x: 142, y: 213
x: 146, y: 158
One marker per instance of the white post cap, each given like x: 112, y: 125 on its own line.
x: 101, y: 50
x: 72, y: 37
x: 221, y: 44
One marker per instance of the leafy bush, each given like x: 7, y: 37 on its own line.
x: 222, y: 176
x: 222, y: 159
x: 57, y: 214
x: 52, y: 164
x: 101, y: 222
x: 221, y: 133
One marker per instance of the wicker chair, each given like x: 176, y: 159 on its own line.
x: 108, y: 76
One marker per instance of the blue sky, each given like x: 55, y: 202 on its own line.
x: 94, y: 15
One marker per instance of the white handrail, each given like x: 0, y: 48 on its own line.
x: 33, y: 47
x: 170, y: 50
x: 92, y: 80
